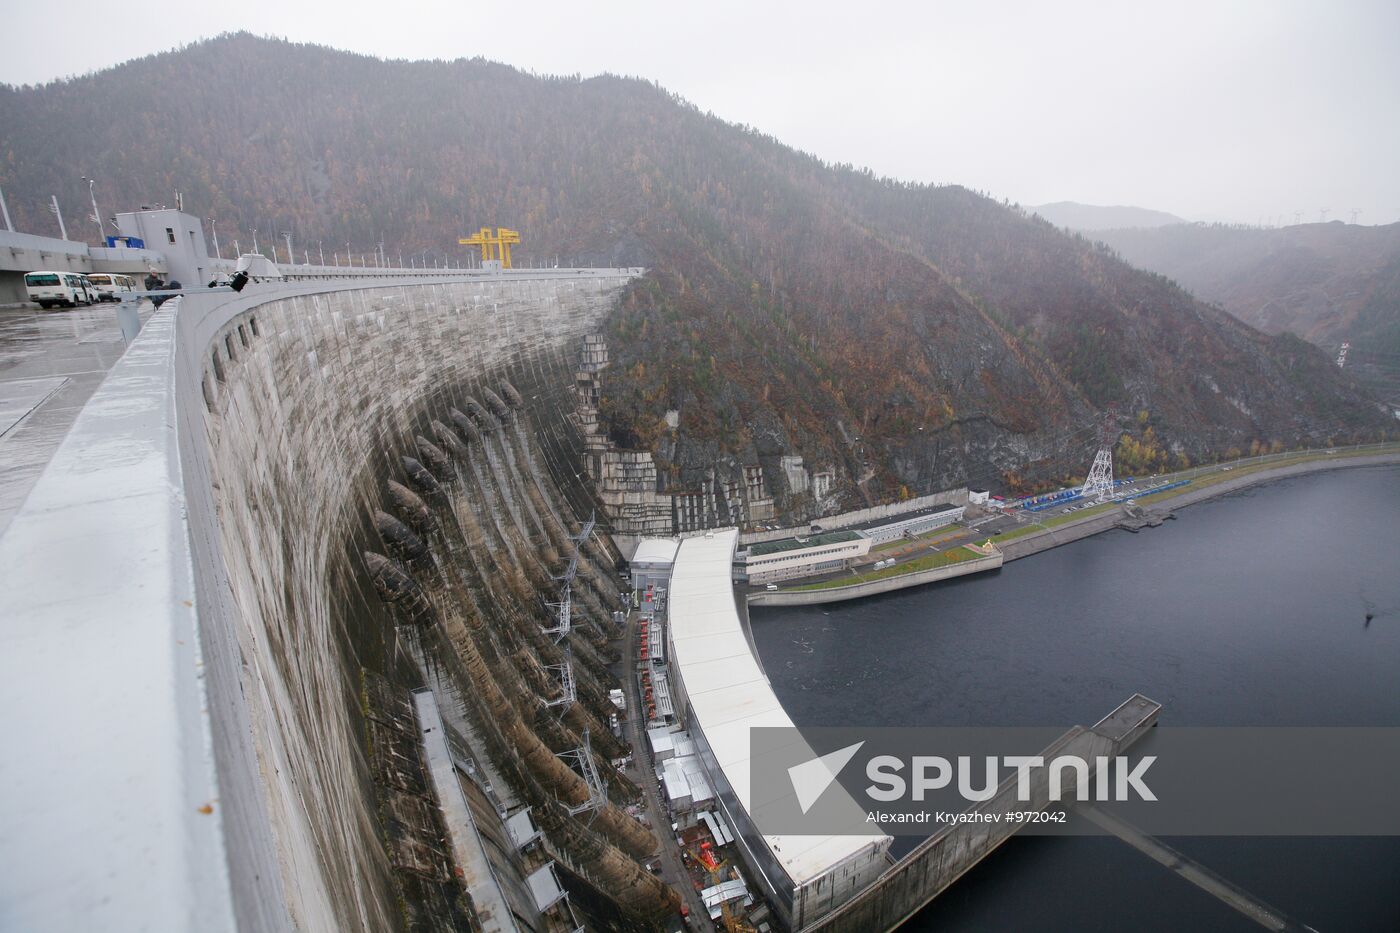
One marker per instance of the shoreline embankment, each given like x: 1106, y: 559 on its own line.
x: 1039, y: 541
x: 1034, y: 542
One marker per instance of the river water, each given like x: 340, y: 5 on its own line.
x: 1245, y: 610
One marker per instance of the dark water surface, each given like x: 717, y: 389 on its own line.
x: 1246, y: 610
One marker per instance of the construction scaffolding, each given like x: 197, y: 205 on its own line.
x: 584, y: 534
x: 568, y: 689
x: 581, y: 761
x: 561, y: 611
x: 561, y: 614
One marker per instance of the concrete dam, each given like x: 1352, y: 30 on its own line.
x: 281, y: 512
x: 310, y: 626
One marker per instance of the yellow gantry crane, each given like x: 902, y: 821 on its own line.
x: 493, y: 245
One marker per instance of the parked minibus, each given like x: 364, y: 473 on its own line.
x: 111, y: 286
x: 48, y: 289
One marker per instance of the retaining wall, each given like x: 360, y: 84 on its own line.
x: 1034, y: 543
x: 838, y: 594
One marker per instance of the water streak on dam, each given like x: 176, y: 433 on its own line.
x: 343, y: 491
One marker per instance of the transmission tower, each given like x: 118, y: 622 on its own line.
x: 1355, y: 212
x: 1099, y: 484
x: 1342, y: 356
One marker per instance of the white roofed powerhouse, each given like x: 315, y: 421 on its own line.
x: 728, y: 695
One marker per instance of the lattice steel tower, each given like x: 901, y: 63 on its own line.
x: 1099, y: 484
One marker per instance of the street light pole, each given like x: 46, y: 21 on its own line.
x: 322, y: 250
x: 5, y: 209
x: 62, y: 230
x: 96, y: 214
x: 255, y: 240
x: 214, y: 228
x: 291, y: 257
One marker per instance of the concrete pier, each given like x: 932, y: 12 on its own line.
x: 915, y: 880
x: 1270, y: 918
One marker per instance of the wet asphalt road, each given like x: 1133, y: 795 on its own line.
x: 50, y: 364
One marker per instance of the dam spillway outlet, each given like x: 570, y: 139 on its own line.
x: 481, y: 587
x: 361, y: 491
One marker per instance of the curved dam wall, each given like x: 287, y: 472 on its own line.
x: 188, y: 616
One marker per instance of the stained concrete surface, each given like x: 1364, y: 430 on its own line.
x: 179, y: 563
x: 50, y: 364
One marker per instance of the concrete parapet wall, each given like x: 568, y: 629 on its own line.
x: 837, y: 594
x: 113, y: 814
x: 1026, y: 545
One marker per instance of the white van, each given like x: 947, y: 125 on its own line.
x: 111, y: 286
x: 58, y: 288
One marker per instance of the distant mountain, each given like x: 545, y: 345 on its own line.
x: 904, y: 337
x: 1327, y: 283
x: 1086, y: 217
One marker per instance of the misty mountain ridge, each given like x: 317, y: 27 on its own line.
x: 1313, y: 280
x: 1086, y: 217
x: 904, y: 337
x: 1328, y: 283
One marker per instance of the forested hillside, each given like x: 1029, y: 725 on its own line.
x: 907, y: 336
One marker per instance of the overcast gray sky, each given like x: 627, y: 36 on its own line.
x: 1215, y: 110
